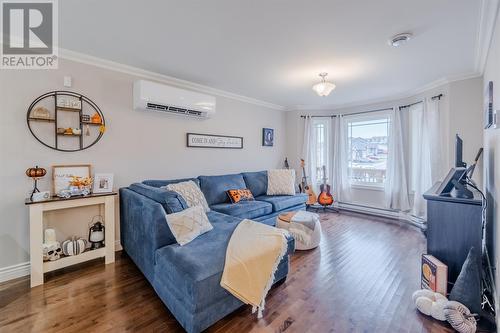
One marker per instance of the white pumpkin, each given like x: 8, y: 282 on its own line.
x: 73, y: 247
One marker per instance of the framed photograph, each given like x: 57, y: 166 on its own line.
x: 268, y: 137
x: 488, y: 105
x: 62, y: 175
x: 195, y: 140
x: 103, y: 183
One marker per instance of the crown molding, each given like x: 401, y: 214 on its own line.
x: 411, y: 93
x: 486, y: 27
x: 135, y: 71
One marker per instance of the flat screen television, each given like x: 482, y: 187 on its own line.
x: 459, y: 143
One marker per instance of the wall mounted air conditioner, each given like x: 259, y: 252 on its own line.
x: 151, y: 96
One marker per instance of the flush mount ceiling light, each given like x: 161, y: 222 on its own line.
x: 324, y: 88
x: 400, y: 39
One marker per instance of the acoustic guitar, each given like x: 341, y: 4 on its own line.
x: 325, y: 198
x: 304, y: 187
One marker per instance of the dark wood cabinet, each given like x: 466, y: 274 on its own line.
x: 454, y: 225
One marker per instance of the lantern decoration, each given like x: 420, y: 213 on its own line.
x: 36, y: 173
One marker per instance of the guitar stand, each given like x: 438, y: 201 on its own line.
x: 317, y: 208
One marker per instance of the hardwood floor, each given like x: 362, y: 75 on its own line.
x: 360, y: 279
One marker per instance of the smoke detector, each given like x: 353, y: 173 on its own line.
x: 400, y: 39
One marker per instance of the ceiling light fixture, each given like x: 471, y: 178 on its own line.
x: 324, y: 88
x: 400, y: 39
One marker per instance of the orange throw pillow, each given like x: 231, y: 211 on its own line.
x: 240, y: 195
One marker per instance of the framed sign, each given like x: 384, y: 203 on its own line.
x: 214, y: 141
x: 62, y: 175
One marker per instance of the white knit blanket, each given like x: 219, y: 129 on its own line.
x: 302, y: 226
x: 252, y: 257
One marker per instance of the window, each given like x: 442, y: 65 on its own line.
x: 321, y: 147
x: 367, y: 149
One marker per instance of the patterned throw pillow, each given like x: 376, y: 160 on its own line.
x: 281, y: 182
x: 188, y: 224
x: 240, y: 195
x: 191, y: 194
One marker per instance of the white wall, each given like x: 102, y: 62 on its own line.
x: 136, y: 145
x: 492, y: 154
x: 461, y: 109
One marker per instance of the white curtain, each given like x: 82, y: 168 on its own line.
x: 339, y: 171
x: 308, y: 151
x: 429, y: 156
x: 396, y: 184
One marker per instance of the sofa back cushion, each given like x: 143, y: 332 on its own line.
x: 215, y: 187
x: 161, y: 183
x: 172, y: 202
x: 256, y: 182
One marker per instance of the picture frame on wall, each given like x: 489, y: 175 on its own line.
x: 103, y: 183
x: 488, y: 105
x: 268, y: 137
x: 62, y: 175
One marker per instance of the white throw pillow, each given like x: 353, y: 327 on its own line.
x: 188, y: 224
x: 191, y: 193
x: 281, y: 182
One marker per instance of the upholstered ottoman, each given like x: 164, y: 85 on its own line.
x: 303, y: 226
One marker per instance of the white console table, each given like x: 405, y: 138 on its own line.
x: 36, y: 211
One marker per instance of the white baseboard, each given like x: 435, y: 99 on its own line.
x: 380, y: 212
x: 14, y: 271
x: 23, y: 269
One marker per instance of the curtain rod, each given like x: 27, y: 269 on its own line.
x: 377, y: 110
x: 408, y: 105
x: 349, y: 114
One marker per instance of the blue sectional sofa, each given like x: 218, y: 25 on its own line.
x: 187, y: 278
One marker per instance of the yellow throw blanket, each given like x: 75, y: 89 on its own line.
x: 252, y: 257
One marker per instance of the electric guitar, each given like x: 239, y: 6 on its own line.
x: 305, y: 188
x: 325, y: 198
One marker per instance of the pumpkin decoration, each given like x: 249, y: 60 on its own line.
x: 73, y: 247
x: 96, y: 119
x: 36, y: 173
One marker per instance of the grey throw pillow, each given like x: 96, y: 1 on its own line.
x: 467, y: 288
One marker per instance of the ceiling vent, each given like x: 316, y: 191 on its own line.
x: 400, y: 39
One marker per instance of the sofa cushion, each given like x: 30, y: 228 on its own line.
x: 191, y: 193
x: 281, y: 182
x: 256, y: 182
x: 215, y: 187
x: 281, y: 202
x: 160, y: 183
x: 189, y: 224
x: 244, y: 209
x: 172, y: 202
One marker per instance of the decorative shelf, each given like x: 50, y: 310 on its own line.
x: 48, y: 120
x: 49, y: 266
x: 64, y: 134
x: 91, y: 123
x: 49, y: 136
x: 63, y: 108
